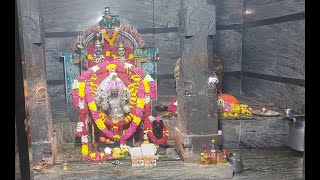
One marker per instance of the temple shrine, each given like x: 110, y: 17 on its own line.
x: 159, y: 89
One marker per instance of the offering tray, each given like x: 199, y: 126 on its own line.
x: 268, y: 113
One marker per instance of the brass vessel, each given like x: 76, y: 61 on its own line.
x: 64, y: 165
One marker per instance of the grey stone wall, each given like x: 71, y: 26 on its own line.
x: 255, y: 133
x: 273, y: 61
x: 62, y: 18
x: 269, y: 41
x: 227, y: 43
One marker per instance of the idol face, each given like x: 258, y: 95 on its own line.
x: 121, y: 51
x: 98, y: 49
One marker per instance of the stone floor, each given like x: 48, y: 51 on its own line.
x: 271, y: 163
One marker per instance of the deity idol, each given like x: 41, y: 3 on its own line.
x: 121, y: 50
x: 96, y: 58
x: 112, y: 97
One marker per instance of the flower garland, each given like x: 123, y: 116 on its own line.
x: 113, y: 38
x: 148, y: 128
x: 83, y: 97
x: 96, y: 157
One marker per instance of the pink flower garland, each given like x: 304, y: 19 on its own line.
x: 137, y: 112
x: 130, y: 131
x: 137, y: 71
x: 153, y: 90
x: 75, y: 98
x: 97, y: 157
x: 96, y: 114
x: 124, y: 77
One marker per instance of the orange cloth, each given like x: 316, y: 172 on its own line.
x: 228, y: 98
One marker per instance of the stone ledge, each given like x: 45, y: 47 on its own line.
x: 259, y: 132
x: 163, y: 170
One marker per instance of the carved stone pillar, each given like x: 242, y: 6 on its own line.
x: 197, y: 121
x: 38, y: 120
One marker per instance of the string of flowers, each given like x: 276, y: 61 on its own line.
x: 83, y: 98
x: 137, y: 112
x: 96, y: 157
x: 113, y: 38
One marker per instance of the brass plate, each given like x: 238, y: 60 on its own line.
x: 267, y: 114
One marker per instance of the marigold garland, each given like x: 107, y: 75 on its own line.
x: 113, y: 38
x: 83, y: 98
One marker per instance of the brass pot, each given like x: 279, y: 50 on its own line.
x: 64, y: 165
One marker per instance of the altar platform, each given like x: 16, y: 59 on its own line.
x: 267, y: 163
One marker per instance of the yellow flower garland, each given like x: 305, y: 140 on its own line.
x: 81, y: 89
x: 92, y: 155
x: 111, y: 66
x: 140, y: 103
x: 134, y: 100
x: 92, y: 106
x: 93, y: 77
x: 89, y: 57
x: 100, y: 124
x: 128, y: 118
x: 136, y: 120
x: 116, y: 137
x: 146, y: 86
x: 84, y: 149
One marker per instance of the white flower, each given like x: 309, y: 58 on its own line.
x: 75, y: 84
x: 81, y: 103
x: 147, y: 99
x: 107, y: 150
x: 95, y: 68
x: 84, y: 139
x: 213, y: 80
x: 79, y: 126
x: 148, y: 78
x: 127, y: 65
x: 151, y: 118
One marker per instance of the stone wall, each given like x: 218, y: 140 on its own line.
x: 273, y: 61
x: 158, y: 23
x: 255, y: 133
x: 260, y: 44
x: 227, y: 43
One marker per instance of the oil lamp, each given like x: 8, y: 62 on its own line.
x: 64, y: 164
x: 156, y: 57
